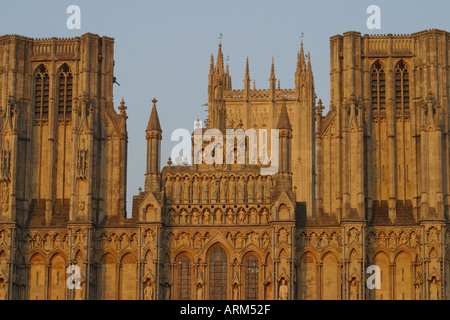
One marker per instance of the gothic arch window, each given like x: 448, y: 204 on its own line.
x: 378, y: 86
x: 184, y: 278
x: 65, y: 92
x: 251, y: 271
x: 218, y: 274
x: 401, y: 86
x: 41, y: 93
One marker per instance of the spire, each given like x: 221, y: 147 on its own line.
x: 219, y: 63
x: 247, y: 71
x: 272, y: 70
x: 153, y: 122
x: 283, y: 121
x: 211, y: 65
x: 301, y: 59
x: 272, y: 78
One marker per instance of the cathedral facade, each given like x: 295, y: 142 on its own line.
x: 361, y: 191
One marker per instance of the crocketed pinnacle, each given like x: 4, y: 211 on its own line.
x: 283, y: 121
x: 219, y: 63
x: 153, y: 122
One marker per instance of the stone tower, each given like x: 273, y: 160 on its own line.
x: 383, y: 154
x: 260, y: 109
x: 63, y: 152
x: 60, y: 132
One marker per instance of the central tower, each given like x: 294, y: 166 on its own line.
x: 261, y: 108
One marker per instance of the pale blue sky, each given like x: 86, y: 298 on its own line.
x: 162, y: 48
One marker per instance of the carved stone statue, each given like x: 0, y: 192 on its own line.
x: 283, y: 290
x: 223, y: 190
x: 199, y: 291
x: 148, y: 291
x: 195, y: 190
x: 264, y: 216
x: 241, y: 190
x: 186, y: 190
x: 195, y: 217
x: 353, y: 289
x: 206, y: 217
x: 253, y: 216
x: 167, y: 291
x: 214, y: 190
x: 235, y: 291
x: 205, y: 189
x: 250, y: 189
x: 232, y: 190
x: 241, y: 216
x: 283, y: 236
x: 168, y: 189
x: 434, y: 289
x: 259, y: 189
x: 230, y: 216
x: 177, y: 190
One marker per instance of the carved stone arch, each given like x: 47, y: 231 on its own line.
x: 216, y: 239
x: 55, y: 252
x: 251, y: 251
x: 218, y: 273
x: 330, y: 275
x: 378, y: 64
x: 353, y: 251
x: 57, y: 276
x: 307, y: 276
x: 247, y: 249
x: 433, y: 251
x: 400, y: 249
x: 328, y: 251
x: 383, y: 259
x: 403, y: 275
x: 109, y: 256
x: 41, y: 68
x: 148, y: 253
x: 37, y: 275
x: 78, y: 248
x: 401, y: 64
x: 67, y: 65
x: 128, y: 276
x: 37, y: 251
x: 179, y: 252
x: 282, y: 247
x: 228, y: 250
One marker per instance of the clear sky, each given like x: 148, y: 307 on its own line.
x: 163, y: 47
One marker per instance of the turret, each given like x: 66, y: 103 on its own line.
x: 153, y: 136
x: 285, y: 137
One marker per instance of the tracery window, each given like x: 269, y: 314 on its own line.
x: 41, y: 93
x: 251, y: 278
x: 218, y: 274
x: 401, y: 86
x: 378, y: 86
x: 65, y: 93
x: 184, y: 278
